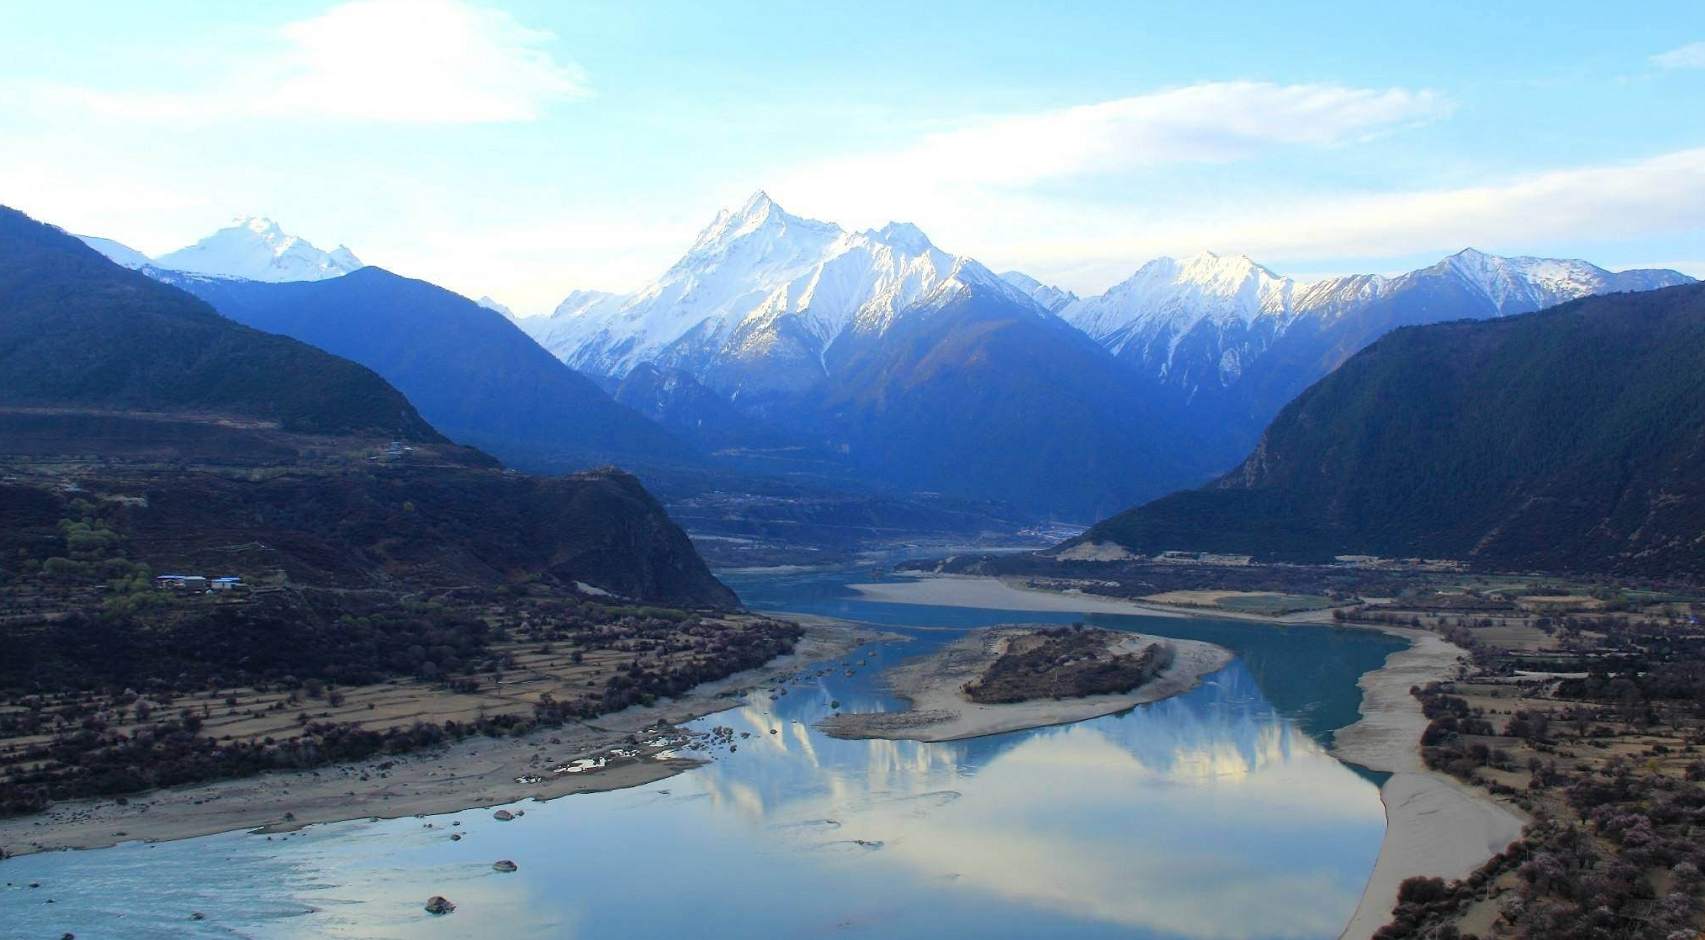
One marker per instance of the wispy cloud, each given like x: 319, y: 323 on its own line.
x: 1659, y: 195
x: 1690, y: 56
x: 1207, y: 122
x: 406, y: 61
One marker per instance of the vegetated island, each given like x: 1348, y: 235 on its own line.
x: 1013, y: 678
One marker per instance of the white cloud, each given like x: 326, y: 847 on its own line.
x: 1597, y: 204
x: 1207, y: 122
x: 407, y: 61
x: 1690, y: 56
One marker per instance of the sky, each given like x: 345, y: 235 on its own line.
x: 525, y: 149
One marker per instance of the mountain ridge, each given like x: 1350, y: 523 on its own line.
x: 79, y: 329
x: 252, y: 248
x: 466, y: 366
x: 1569, y: 439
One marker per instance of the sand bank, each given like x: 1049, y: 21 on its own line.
x: 470, y: 773
x: 989, y: 593
x: 941, y: 712
x: 1435, y: 825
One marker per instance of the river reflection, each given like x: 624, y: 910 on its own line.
x: 1210, y: 815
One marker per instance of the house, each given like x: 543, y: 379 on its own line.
x: 227, y: 583
x: 182, y: 582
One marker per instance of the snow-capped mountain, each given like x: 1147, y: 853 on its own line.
x: 1218, y: 310
x: 757, y: 301
x: 116, y: 252
x: 1200, y: 324
x: 880, y: 355
x: 487, y: 302
x: 250, y: 248
x: 906, y: 361
x: 256, y: 249
x: 1049, y: 297
x: 1522, y: 284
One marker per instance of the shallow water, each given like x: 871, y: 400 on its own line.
x: 1216, y: 814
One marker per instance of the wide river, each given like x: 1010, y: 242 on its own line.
x: 1217, y: 814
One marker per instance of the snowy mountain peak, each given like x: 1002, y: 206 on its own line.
x: 1520, y: 284
x: 487, y: 302
x: 759, y: 203
x: 343, y: 258
x: 759, y: 285
x: 255, y: 248
x: 760, y: 227
x: 903, y: 236
x: 1049, y: 297
x: 262, y: 226
x: 1169, y: 298
x: 117, y: 252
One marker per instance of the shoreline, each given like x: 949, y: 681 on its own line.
x: 1435, y: 825
x: 468, y: 774
x: 938, y: 712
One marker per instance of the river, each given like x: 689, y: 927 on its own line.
x: 1216, y: 815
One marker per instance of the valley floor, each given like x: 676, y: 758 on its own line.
x: 474, y: 772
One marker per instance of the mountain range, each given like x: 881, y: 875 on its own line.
x: 250, y: 248
x: 784, y: 345
x: 893, y: 356
x: 1234, y: 342
x: 1572, y: 439
x: 827, y: 333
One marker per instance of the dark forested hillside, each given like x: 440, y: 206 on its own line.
x: 394, y: 527
x: 1570, y: 439
x: 469, y: 370
x: 78, y: 330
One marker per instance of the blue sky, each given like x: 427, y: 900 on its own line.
x: 526, y: 149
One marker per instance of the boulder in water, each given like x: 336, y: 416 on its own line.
x: 504, y: 865
x: 439, y: 904
x: 503, y: 815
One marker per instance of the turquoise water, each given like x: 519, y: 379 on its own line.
x: 1216, y: 814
